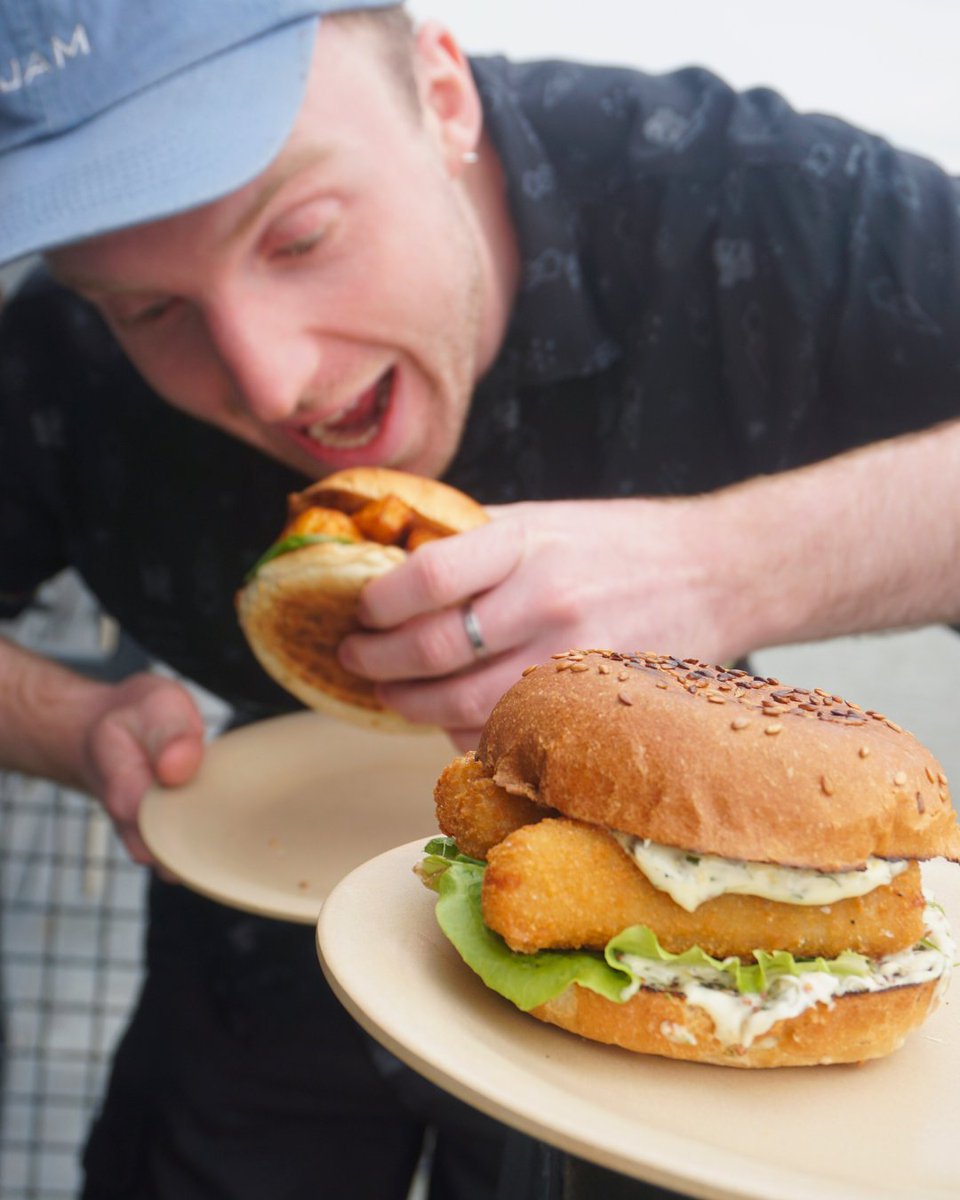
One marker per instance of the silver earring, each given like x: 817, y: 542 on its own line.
x: 469, y: 157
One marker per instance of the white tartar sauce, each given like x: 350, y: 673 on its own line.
x: 740, y: 1018
x: 691, y: 879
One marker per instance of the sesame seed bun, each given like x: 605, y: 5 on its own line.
x: 300, y: 605
x: 718, y: 762
x: 855, y: 1028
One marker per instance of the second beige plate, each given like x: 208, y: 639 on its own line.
x: 281, y: 810
x: 887, y: 1129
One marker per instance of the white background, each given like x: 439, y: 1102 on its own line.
x: 889, y: 66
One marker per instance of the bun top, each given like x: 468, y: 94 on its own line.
x: 718, y: 761
x: 439, y: 505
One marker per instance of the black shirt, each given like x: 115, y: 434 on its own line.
x: 712, y: 286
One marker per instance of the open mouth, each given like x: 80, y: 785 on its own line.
x: 359, y: 423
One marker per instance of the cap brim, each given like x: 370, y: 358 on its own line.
x: 176, y: 145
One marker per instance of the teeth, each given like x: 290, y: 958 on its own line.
x: 328, y: 433
x: 344, y: 441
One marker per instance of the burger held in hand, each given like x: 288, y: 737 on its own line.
x: 690, y: 861
x: 300, y: 599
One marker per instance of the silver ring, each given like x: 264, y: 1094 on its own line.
x: 471, y: 627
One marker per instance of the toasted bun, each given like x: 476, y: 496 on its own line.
x: 718, y: 762
x: 300, y: 605
x: 443, y: 507
x: 856, y: 1027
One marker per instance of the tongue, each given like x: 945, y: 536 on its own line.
x: 360, y: 414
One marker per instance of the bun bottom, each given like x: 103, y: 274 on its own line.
x: 858, y: 1026
x: 298, y: 609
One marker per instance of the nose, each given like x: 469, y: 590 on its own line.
x: 270, y: 357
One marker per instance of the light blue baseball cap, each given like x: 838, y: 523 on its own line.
x: 116, y: 112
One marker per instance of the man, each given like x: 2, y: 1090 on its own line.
x: 595, y: 300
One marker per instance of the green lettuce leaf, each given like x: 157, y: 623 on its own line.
x: 294, y: 542
x: 641, y: 941
x: 441, y: 852
x: 528, y: 980
x: 525, y: 979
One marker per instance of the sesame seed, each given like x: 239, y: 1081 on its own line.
x: 623, y: 698
x: 894, y: 726
x: 623, y: 676
x: 864, y: 751
x: 579, y: 666
x: 941, y: 778
x: 739, y: 723
x: 900, y: 778
x: 775, y: 728
x: 716, y: 699
x: 930, y: 774
x: 663, y: 686
x: 527, y: 670
x: 921, y: 807
x: 603, y: 669
x: 826, y: 785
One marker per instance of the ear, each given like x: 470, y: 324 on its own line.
x: 448, y: 95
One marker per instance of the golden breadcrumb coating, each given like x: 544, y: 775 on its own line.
x: 477, y: 813
x: 565, y: 884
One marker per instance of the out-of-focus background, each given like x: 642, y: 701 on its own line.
x: 71, y: 905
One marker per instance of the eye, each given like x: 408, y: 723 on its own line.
x: 144, y: 316
x: 301, y: 231
x: 301, y: 246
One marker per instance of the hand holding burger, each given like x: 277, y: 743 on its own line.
x: 300, y: 599
x: 693, y: 862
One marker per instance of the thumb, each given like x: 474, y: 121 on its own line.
x: 175, y: 752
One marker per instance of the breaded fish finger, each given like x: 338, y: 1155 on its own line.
x: 477, y: 813
x: 565, y: 884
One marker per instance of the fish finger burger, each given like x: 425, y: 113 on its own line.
x: 695, y: 862
x: 299, y: 600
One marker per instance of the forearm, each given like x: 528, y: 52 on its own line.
x: 866, y: 541
x: 45, y: 713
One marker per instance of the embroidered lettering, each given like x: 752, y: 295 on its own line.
x: 20, y: 73
x: 79, y: 44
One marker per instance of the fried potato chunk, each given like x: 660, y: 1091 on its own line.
x: 477, y: 813
x: 386, y: 520
x: 562, y: 884
x: 328, y: 521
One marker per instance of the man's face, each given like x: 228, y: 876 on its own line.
x: 339, y: 308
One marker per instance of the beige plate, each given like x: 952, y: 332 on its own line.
x: 886, y: 1129
x: 283, y: 809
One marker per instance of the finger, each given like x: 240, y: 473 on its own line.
x: 443, y: 574
x: 455, y: 702
x: 464, y: 739
x: 134, y: 844
x: 424, y: 648
x: 178, y: 759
